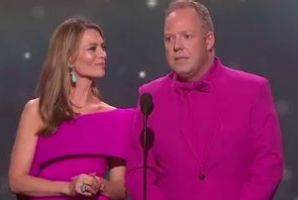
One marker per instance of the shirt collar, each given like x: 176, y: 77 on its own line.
x: 202, y: 85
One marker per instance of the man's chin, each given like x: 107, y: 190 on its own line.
x: 183, y: 75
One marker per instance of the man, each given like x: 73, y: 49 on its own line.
x: 216, y: 132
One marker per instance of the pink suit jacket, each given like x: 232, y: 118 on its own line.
x: 216, y: 139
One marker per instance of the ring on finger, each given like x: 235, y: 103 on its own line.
x: 83, y: 188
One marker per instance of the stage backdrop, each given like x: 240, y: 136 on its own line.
x: 258, y: 36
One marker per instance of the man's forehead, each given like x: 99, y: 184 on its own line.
x: 182, y: 20
x: 178, y: 12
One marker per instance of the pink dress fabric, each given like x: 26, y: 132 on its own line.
x: 82, y: 146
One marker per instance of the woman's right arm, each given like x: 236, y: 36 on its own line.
x: 22, y: 155
x: 21, y: 159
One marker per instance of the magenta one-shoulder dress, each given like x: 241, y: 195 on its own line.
x: 82, y: 146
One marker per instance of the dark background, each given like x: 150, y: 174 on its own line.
x: 258, y: 36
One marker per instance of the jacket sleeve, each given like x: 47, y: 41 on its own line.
x: 267, y: 165
x: 135, y: 169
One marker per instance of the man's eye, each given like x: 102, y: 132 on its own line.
x: 92, y: 48
x: 167, y: 39
x: 187, y: 36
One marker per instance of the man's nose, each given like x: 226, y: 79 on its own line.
x: 178, y: 45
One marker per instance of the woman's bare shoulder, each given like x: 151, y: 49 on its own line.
x: 32, y: 106
x: 103, y: 106
x: 31, y: 112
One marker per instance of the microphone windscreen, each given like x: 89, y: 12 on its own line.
x: 146, y: 104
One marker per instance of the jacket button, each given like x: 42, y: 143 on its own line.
x: 202, y: 177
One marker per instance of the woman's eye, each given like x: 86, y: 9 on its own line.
x: 103, y: 46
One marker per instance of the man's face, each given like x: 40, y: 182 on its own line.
x: 187, y: 44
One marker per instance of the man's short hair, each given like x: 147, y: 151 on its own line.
x: 202, y: 11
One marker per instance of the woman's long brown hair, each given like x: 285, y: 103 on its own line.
x: 54, y: 83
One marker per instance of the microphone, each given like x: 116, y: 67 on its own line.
x: 146, y: 104
x: 147, y: 135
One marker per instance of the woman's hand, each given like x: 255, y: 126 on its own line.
x: 85, y: 184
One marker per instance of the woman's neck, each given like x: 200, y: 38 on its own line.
x: 81, y: 95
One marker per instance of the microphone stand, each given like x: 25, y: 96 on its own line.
x: 146, y: 135
x: 145, y: 156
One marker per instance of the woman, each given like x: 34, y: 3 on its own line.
x: 68, y: 138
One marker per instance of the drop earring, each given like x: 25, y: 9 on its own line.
x: 73, y: 77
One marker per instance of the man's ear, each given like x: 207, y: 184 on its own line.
x: 210, y: 40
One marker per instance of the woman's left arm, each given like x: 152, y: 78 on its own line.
x: 114, y: 187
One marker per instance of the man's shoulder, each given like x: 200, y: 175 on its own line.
x: 242, y: 76
x: 245, y: 84
x: 155, y: 84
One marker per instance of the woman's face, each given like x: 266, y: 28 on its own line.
x: 90, y: 60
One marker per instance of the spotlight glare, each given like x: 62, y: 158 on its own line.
x: 151, y: 3
x: 142, y: 74
x: 27, y: 55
